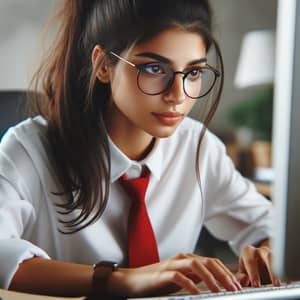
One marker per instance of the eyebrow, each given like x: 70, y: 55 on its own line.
x: 168, y: 61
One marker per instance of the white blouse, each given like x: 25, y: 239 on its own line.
x: 228, y: 205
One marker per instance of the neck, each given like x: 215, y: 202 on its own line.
x: 134, y: 146
x: 131, y: 140
x: 134, y: 142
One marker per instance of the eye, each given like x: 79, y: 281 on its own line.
x: 154, y: 69
x: 195, y: 73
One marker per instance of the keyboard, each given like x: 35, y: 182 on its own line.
x: 267, y: 292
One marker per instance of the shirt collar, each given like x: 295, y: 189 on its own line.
x: 121, y: 164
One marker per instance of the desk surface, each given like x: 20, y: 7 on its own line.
x: 9, y: 295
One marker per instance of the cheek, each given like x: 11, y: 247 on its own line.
x: 127, y: 96
x: 189, y: 104
x: 123, y: 86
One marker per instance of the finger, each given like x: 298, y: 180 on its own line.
x: 201, y: 271
x: 230, y: 274
x: 193, y: 277
x: 264, y: 265
x: 264, y: 255
x: 195, y: 265
x: 223, y: 275
x: 182, y: 281
x: 192, y: 264
x: 241, y: 274
x: 253, y: 273
x: 241, y: 267
x: 243, y: 279
x: 249, y: 262
x: 210, y: 270
x: 188, y: 273
x: 276, y: 282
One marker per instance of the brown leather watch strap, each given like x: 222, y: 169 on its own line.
x: 102, y: 272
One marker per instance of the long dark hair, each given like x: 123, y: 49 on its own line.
x: 75, y: 103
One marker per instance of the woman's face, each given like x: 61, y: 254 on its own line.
x: 156, y: 115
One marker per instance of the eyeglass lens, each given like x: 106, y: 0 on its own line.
x: 156, y: 78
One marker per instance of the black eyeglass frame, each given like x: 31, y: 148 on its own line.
x: 140, y: 67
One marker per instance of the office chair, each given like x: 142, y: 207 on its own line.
x: 12, y: 109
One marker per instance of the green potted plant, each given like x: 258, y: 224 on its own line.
x: 256, y: 115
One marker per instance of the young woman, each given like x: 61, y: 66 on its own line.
x: 117, y: 86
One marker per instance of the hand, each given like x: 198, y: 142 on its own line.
x: 183, y: 271
x: 255, y: 266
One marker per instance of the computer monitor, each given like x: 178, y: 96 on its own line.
x: 286, y: 143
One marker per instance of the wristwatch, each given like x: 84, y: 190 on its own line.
x: 102, y: 272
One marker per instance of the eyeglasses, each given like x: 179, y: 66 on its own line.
x: 155, y: 78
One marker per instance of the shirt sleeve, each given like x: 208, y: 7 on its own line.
x: 235, y: 211
x: 17, y: 208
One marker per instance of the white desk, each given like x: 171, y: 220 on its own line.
x: 9, y: 295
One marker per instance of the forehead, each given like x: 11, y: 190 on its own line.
x: 174, y: 44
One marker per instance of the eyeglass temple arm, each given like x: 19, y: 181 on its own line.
x: 217, y: 72
x: 122, y: 59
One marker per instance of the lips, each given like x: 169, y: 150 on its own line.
x: 168, y: 118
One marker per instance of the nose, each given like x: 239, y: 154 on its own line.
x: 175, y: 94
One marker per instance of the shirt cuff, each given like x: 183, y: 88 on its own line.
x: 12, y: 253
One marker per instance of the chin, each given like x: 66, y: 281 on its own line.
x: 163, y: 133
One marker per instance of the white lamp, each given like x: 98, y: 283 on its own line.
x: 257, y: 59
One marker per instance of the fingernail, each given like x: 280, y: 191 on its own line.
x: 197, y: 291
x: 238, y: 285
x: 256, y: 283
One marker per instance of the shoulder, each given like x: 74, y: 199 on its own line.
x: 23, y: 144
x: 28, y: 126
x: 23, y: 157
x: 24, y: 133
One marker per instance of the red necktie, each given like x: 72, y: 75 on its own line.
x: 142, y: 247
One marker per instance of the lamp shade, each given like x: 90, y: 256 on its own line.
x: 257, y: 59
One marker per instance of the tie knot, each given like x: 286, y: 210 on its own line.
x: 136, y: 187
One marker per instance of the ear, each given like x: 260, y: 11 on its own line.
x: 100, y: 64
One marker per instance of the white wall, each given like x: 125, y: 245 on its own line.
x: 21, y: 22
